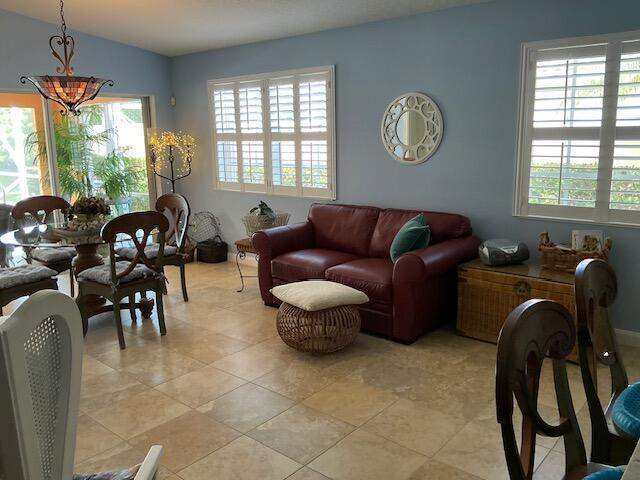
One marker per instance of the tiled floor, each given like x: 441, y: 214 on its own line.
x: 228, y: 400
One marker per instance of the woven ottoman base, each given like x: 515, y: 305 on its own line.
x: 323, y: 331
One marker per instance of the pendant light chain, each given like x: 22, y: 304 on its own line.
x: 64, y: 24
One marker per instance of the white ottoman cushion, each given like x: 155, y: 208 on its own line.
x: 47, y: 254
x: 11, y: 277
x: 314, y: 295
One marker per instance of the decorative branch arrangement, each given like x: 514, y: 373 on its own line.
x: 164, y: 148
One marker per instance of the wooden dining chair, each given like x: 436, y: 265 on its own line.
x: 40, y: 376
x: 533, y: 330
x: 6, y: 224
x: 38, y: 210
x: 596, y: 287
x: 122, y: 278
x: 176, y: 208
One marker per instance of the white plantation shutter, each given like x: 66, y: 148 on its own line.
x: 579, y: 139
x: 274, y: 133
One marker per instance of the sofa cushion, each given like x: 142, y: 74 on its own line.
x: 307, y: 264
x: 345, y: 228
x: 369, y: 275
x: 443, y: 227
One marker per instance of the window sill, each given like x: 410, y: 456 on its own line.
x: 575, y: 220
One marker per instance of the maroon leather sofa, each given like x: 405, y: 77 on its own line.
x: 350, y: 244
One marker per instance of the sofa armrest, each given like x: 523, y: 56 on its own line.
x: 435, y: 260
x: 288, y: 238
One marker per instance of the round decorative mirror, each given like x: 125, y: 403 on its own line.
x: 412, y: 128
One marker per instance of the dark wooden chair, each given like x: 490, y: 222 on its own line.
x: 23, y: 281
x: 533, y: 330
x: 123, y: 279
x: 6, y: 224
x: 177, y: 210
x: 38, y: 210
x: 596, y: 288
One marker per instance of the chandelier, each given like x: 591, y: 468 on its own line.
x: 66, y: 89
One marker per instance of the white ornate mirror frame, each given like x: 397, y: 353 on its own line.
x: 412, y: 128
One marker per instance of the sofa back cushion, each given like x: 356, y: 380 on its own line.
x: 443, y: 227
x: 346, y: 228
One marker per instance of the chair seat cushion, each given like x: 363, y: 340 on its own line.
x: 127, y: 474
x: 314, y: 295
x: 373, y: 276
x: 102, y: 273
x: 613, y: 473
x: 626, y: 411
x: 307, y: 264
x: 47, y: 254
x: 24, y: 274
x: 151, y: 251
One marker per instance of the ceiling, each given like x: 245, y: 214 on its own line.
x: 175, y: 27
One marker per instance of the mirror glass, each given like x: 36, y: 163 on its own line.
x: 412, y: 128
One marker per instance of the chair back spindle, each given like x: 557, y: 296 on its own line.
x: 533, y: 330
x: 177, y: 210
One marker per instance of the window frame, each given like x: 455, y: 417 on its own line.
x: 265, y: 80
x: 601, y: 214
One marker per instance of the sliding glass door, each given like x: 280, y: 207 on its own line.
x: 24, y: 171
x: 101, y: 152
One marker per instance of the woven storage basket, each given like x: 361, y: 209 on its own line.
x: 253, y: 223
x: 564, y: 260
x: 323, y: 331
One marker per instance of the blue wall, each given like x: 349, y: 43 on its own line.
x: 24, y: 50
x: 468, y: 60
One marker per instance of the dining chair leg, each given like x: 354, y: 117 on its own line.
x: 83, y: 312
x: 132, y: 308
x: 118, y: 320
x: 183, y: 281
x: 71, y: 282
x: 160, y: 310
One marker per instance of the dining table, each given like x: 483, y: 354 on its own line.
x: 86, y: 243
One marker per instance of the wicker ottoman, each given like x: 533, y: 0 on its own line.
x: 322, y: 317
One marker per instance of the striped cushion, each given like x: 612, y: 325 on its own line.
x: 46, y: 254
x: 11, y: 277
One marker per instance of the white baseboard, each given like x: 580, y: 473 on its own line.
x: 628, y: 337
x: 249, y: 260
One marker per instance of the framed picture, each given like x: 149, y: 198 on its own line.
x: 589, y: 240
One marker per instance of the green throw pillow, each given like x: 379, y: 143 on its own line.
x: 413, y: 235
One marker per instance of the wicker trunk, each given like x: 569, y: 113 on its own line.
x: 486, y: 295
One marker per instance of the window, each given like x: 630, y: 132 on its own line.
x: 274, y: 133
x: 579, y: 136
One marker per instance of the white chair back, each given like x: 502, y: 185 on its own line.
x: 40, y: 368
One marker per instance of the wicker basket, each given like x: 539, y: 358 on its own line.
x: 253, y: 223
x: 564, y: 260
x: 323, y: 331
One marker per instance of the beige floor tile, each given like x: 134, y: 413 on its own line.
x: 186, y: 439
x: 301, y: 433
x: 218, y: 319
x: 151, y: 366
x: 254, y: 308
x: 202, y: 345
x: 306, y: 473
x: 246, y: 407
x: 253, y: 331
x: 477, y: 449
x: 433, y: 470
x: 297, y: 380
x: 139, y: 413
x: 363, y: 455
x: 92, y: 439
x: 551, y: 468
x: 352, y: 402
x: 98, y: 392
x: 415, y: 426
x: 119, y: 457
x: 92, y: 368
x: 249, y: 363
x: 242, y: 459
x: 200, y: 386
